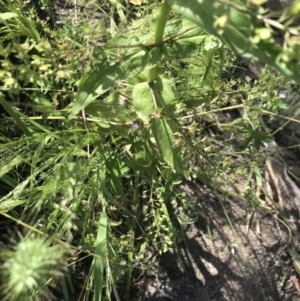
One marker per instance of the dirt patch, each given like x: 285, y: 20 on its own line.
x: 219, y: 262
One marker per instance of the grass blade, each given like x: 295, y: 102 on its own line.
x: 15, y: 116
x: 99, y: 263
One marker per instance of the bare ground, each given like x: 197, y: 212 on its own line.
x: 219, y: 262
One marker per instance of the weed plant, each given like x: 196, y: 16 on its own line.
x: 100, y: 122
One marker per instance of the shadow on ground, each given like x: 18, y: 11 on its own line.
x: 220, y: 262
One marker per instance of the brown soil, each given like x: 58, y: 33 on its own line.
x: 228, y: 265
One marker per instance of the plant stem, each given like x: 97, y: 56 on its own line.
x: 161, y: 23
x: 159, y: 35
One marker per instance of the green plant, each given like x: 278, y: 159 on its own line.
x: 103, y: 134
x: 29, y: 267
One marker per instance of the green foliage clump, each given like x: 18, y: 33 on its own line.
x: 98, y: 131
x: 29, y: 267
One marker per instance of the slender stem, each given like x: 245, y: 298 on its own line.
x: 133, y: 234
x: 142, y: 45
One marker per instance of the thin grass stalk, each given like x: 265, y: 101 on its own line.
x: 132, y: 234
x: 227, y: 216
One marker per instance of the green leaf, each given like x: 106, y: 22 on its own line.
x: 236, y: 28
x: 103, y: 75
x: 141, y: 156
x: 100, y: 250
x: 124, y: 40
x: 71, y: 169
x: 177, y: 25
x: 142, y: 101
x: 164, y: 89
x: 113, y: 109
x: 134, y: 64
x: 120, y: 206
x: 43, y: 104
x: 193, y: 41
x: 163, y: 131
x: 195, y: 102
x: 7, y: 16
x: 187, y: 221
x: 9, y: 181
x: 258, y: 176
x: 145, y: 157
x: 66, y: 284
x: 155, y: 56
x: 251, y: 135
x: 27, y: 27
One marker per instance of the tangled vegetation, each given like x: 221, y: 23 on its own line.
x: 102, y: 119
